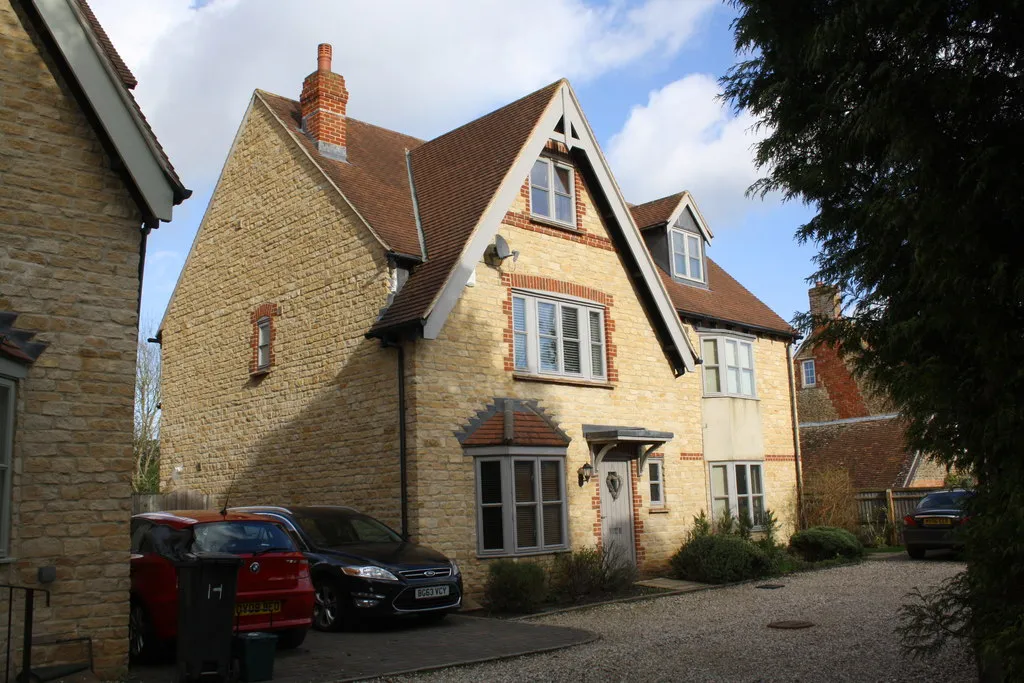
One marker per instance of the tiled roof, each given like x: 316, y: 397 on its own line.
x: 524, y: 422
x: 127, y: 78
x: 456, y: 177
x: 655, y: 212
x: 17, y: 344
x: 724, y: 300
x: 874, y: 452
x: 375, y: 179
x: 129, y: 82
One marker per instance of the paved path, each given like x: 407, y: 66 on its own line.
x: 405, y: 647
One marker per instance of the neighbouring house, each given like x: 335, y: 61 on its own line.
x: 82, y: 182
x: 453, y: 334
x: 847, y: 423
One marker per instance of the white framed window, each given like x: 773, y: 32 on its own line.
x: 7, y: 388
x: 263, y: 344
x: 810, y: 375
x: 687, y: 255
x: 655, y: 475
x: 558, y: 337
x: 552, y: 191
x: 737, y: 489
x: 521, y: 506
x: 728, y: 367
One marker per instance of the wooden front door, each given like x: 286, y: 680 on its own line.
x: 617, y: 511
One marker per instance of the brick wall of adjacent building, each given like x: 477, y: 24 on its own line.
x: 461, y: 371
x: 70, y: 236
x: 321, y: 426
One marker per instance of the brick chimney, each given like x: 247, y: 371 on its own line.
x: 323, y: 102
x: 825, y: 302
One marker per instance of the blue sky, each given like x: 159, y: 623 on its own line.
x: 644, y: 70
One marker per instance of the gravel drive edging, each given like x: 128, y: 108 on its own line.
x: 722, y: 635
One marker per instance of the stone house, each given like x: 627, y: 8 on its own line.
x: 448, y: 334
x: 82, y: 182
x: 847, y: 423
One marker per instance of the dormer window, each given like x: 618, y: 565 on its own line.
x: 687, y: 255
x: 551, y: 191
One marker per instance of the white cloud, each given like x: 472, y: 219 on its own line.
x: 419, y: 67
x: 685, y: 139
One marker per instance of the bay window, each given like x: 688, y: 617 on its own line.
x: 521, y: 505
x: 737, y: 490
x: 728, y: 367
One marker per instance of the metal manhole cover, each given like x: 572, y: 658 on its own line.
x: 771, y: 586
x: 790, y: 624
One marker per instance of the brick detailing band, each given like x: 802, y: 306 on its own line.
x: 261, y: 312
x: 546, y: 284
x: 638, y: 522
x: 779, y: 458
x: 691, y: 456
x: 595, y: 505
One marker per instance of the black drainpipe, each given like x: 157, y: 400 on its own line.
x: 147, y: 226
x: 402, y: 465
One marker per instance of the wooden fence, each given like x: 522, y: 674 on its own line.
x: 875, y: 507
x: 174, y: 500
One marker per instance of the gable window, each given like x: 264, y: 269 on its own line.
x: 737, y: 490
x: 520, y: 505
x: 655, y: 472
x: 687, y: 258
x: 810, y: 376
x: 263, y: 344
x: 557, y: 337
x: 551, y: 191
x: 6, y: 449
x: 728, y: 367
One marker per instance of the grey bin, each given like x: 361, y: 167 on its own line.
x: 255, y: 652
x: 207, y: 583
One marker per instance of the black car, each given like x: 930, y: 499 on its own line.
x: 362, y: 569
x: 936, y: 522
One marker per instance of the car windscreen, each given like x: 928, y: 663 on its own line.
x: 240, y: 537
x: 943, y: 500
x: 345, y: 528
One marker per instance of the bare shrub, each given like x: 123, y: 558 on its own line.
x: 829, y: 500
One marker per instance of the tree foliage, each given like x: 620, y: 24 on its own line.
x: 902, y: 122
x: 146, y: 436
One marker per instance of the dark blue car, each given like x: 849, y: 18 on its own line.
x: 362, y: 569
x: 936, y: 523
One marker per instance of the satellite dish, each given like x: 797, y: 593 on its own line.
x: 501, y: 249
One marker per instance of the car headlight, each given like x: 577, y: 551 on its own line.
x: 455, y: 568
x: 370, y: 572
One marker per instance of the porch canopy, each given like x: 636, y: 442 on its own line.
x: 637, y: 440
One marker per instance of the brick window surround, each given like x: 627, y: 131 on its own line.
x: 527, y: 221
x: 266, y: 311
x: 545, y: 284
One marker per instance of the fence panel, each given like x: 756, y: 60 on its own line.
x: 874, y: 506
x: 174, y: 500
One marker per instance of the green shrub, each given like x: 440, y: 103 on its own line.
x: 724, y: 526
x: 701, y: 527
x: 826, y: 543
x: 589, y: 572
x: 514, y: 586
x: 720, y: 559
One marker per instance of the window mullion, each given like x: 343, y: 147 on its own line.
x: 538, y: 513
x: 508, y: 505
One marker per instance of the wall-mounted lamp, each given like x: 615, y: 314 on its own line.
x: 496, y: 253
x: 585, y: 472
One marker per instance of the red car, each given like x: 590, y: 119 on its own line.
x: 274, y: 588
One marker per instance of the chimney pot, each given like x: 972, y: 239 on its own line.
x: 323, y: 57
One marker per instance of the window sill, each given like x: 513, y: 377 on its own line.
x: 513, y: 555
x: 8, y: 560
x: 569, y: 381
x: 744, y: 398
x: 552, y: 223
x: 260, y: 372
x: 658, y: 511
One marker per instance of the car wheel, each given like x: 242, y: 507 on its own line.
x: 915, y: 552
x: 330, y: 612
x: 291, y: 639
x: 141, y: 639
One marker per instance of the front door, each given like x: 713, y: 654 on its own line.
x: 617, y: 511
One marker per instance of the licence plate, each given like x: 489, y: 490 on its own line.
x: 432, y: 592
x: 243, y: 609
x: 937, y: 521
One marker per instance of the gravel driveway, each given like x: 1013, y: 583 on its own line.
x: 721, y: 635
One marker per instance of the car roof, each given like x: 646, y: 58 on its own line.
x: 186, y: 518
x: 293, y: 509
